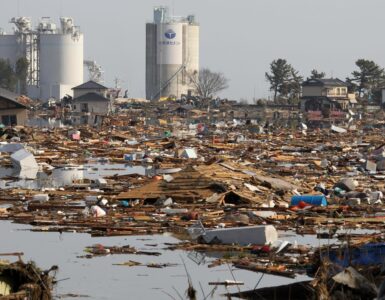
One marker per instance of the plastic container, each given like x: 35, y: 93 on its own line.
x: 97, y: 211
x: 124, y: 203
x: 129, y: 157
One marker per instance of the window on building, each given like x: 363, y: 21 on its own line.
x: 9, y: 120
x: 83, y: 120
x: 84, y: 107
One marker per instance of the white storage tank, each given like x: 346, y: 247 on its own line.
x: 8, y: 47
x: 13, y: 46
x: 192, y: 55
x: 172, y: 54
x: 61, y: 59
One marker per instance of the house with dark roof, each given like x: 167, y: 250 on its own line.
x: 12, y: 112
x: 91, y: 97
x: 90, y: 87
x: 326, y: 94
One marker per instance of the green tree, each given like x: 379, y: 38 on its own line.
x: 21, y: 74
x: 314, y: 74
x: 294, y: 89
x: 280, y: 72
x: 284, y: 80
x: 7, y: 75
x: 352, y: 87
x: 368, y: 78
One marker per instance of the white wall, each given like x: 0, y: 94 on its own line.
x: 96, y: 107
x: 61, y: 64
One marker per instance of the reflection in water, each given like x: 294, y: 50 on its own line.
x: 45, y: 122
x: 100, y: 278
x: 65, y: 176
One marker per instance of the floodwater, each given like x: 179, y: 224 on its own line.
x: 100, y: 279
x: 45, y: 122
x: 66, y: 175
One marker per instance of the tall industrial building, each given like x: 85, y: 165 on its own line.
x: 54, y: 55
x: 172, y: 54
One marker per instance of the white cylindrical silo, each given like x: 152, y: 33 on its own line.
x: 172, y: 55
x: 61, y: 63
x: 192, y: 55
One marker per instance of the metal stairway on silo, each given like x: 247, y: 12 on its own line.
x: 158, y: 93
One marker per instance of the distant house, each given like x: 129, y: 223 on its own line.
x: 12, y: 112
x: 329, y: 94
x: 91, y: 97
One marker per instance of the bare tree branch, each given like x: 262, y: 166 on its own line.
x: 208, y: 83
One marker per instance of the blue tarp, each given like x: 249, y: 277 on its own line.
x: 366, y: 255
x: 317, y: 200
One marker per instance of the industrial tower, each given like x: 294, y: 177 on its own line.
x: 54, y: 55
x: 172, y: 55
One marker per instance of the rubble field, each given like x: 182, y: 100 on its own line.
x: 231, y: 187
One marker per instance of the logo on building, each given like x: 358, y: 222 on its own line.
x: 170, y: 34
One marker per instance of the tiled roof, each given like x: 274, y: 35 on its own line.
x: 335, y: 82
x: 12, y: 97
x: 89, y: 85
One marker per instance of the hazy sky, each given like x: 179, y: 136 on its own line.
x: 238, y: 37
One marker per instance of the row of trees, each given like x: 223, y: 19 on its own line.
x: 14, y: 79
x: 285, y: 81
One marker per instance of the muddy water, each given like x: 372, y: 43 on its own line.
x: 99, y: 279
